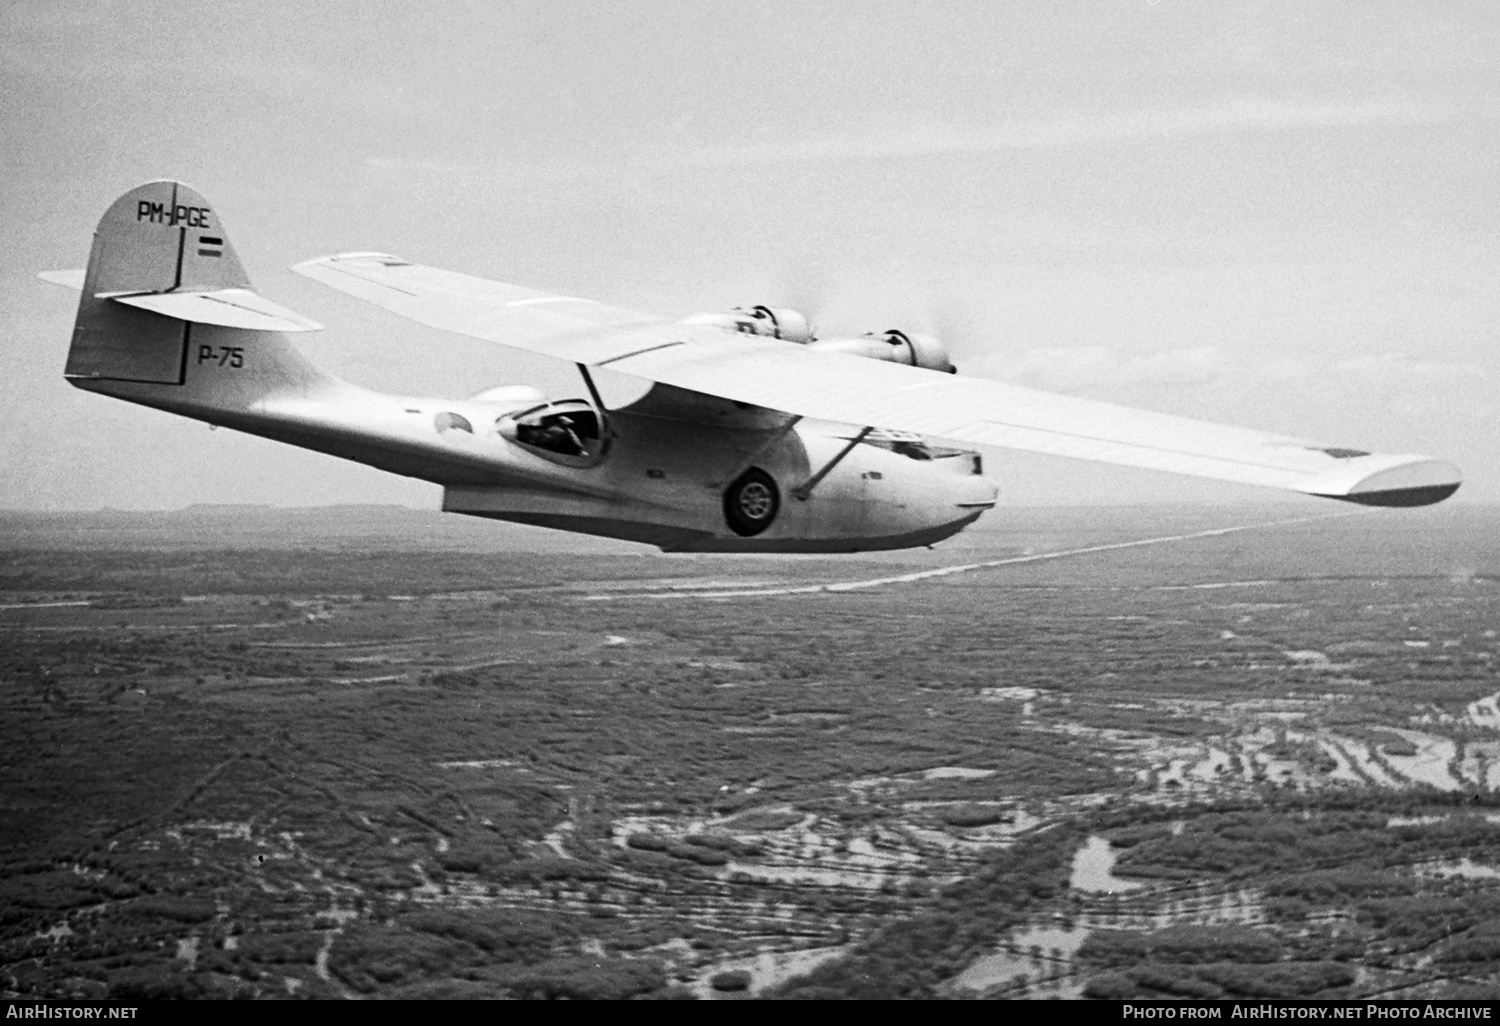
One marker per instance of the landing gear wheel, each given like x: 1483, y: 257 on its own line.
x: 751, y: 503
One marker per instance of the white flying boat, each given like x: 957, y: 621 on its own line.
x: 754, y: 436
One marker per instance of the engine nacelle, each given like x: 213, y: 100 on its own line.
x: 772, y: 322
x: 895, y: 347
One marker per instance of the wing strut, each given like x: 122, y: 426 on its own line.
x: 593, y: 392
x: 802, y: 491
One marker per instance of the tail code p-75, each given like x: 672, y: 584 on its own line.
x: 225, y: 356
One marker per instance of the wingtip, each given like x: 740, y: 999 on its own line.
x: 1425, y: 495
x: 1415, y: 481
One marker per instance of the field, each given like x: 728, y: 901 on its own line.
x: 367, y: 753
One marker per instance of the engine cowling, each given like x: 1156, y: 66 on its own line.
x: 893, y: 346
x: 770, y: 321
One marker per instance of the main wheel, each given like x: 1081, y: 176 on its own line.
x: 750, y: 504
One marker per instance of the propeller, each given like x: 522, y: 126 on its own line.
x: 840, y: 305
x: 809, y: 288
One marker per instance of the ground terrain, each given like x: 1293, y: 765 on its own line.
x: 363, y: 753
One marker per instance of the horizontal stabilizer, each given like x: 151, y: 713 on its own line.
x: 68, y: 279
x: 229, y: 308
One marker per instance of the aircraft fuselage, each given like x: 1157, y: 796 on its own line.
x: 662, y: 471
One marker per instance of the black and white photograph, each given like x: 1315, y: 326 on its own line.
x: 864, y: 499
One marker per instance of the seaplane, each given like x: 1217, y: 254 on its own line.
x: 752, y: 433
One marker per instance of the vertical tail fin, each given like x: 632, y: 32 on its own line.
x: 167, y: 316
x: 151, y: 240
x: 162, y: 237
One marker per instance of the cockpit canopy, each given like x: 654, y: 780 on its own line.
x: 569, y: 431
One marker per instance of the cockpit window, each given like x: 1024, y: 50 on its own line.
x: 914, y: 447
x: 570, y: 430
x: 912, y: 450
x: 567, y: 433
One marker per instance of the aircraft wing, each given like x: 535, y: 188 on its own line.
x: 831, y: 386
x: 509, y: 314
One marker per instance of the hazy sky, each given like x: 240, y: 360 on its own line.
x: 1282, y: 215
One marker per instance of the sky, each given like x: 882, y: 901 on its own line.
x: 1279, y: 215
